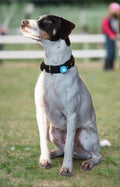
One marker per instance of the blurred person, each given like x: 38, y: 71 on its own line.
x: 29, y: 10
x: 3, y: 31
x: 110, y: 27
x: 85, y: 29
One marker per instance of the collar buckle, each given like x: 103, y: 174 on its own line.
x: 50, y: 69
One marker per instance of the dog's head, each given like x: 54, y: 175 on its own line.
x: 47, y: 27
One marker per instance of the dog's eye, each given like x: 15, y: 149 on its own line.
x: 47, y: 21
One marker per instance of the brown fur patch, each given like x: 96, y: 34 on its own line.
x: 44, y: 35
x: 54, y: 31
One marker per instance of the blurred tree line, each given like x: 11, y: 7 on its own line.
x: 43, y: 2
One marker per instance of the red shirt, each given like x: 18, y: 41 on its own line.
x: 106, y: 27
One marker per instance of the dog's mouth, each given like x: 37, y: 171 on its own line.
x: 29, y: 32
x: 25, y: 29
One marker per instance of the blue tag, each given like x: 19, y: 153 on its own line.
x: 63, y: 69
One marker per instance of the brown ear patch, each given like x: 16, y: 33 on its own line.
x: 44, y: 35
x: 66, y: 28
x: 54, y: 31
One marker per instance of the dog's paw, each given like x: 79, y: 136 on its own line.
x: 45, y: 164
x: 87, y: 165
x: 65, y: 172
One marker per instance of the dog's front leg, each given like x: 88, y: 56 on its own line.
x: 45, y: 161
x: 66, y: 169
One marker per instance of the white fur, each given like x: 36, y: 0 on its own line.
x: 60, y: 97
x: 105, y: 143
x: 57, y: 53
x: 67, y: 103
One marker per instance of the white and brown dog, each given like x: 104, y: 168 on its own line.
x: 62, y: 97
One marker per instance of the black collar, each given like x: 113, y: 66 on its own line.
x: 58, y: 69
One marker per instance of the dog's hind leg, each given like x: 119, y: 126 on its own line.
x: 90, y: 163
x: 90, y: 142
x: 57, y: 137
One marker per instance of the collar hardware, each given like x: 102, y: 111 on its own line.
x: 63, y: 68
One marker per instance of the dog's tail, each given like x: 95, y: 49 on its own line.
x: 104, y: 143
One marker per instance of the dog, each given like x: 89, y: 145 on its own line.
x: 62, y: 98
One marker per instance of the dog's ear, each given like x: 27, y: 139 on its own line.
x: 66, y: 28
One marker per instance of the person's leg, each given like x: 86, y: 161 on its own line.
x: 107, y: 44
x: 113, y: 49
x: 110, y: 54
x: 1, y: 47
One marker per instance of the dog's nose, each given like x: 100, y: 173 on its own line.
x: 25, y: 22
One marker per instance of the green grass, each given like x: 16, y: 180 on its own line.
x: 19, y: 138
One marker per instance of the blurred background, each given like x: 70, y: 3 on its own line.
x: 88, y: 13
x: 20, y: 60
x: 87, y: 16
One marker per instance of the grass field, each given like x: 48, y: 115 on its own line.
x: 19, y: 138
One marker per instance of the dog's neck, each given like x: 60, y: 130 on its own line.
x: 56, y: 53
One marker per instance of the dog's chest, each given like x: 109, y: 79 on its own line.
x: 53, y: 102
